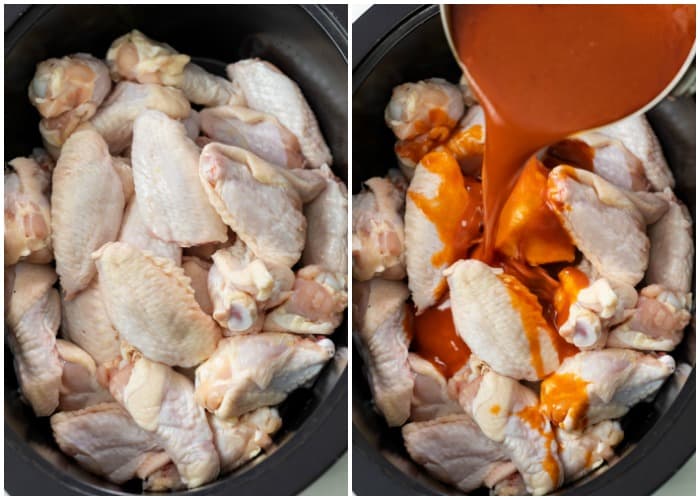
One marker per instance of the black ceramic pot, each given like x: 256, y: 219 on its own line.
x: 308, y: 43
x: 397, y: 44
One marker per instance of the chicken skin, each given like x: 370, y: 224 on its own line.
x: 314, y: 306
x: 378, y: 247
x: 160, y: 317
x: 172, y: 204
x: 106, y: 441
x: 247, y: 372
x: 256, y: 200
x: 85, y: 323
x: 162, y: 401
x: 593, y: 386
x: 33, y: 318
x: 82, y: 224
x: 266, y: 89
x: 380, y: 331
x: 115, y: 119
x: 501, y: 321
x: 594, y: 212
x: 260, y: 133
x: 67, y: 92
x: 136, y: 57
x: 327, y: 221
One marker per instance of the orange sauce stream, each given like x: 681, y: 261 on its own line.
x: 543, y: 72
x: 528, y: 230
x: 436, y: 339
x: 455, y: 210
x: 563, y: 394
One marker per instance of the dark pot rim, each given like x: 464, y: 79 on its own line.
x: 318, y: 443
x: 652, y: 461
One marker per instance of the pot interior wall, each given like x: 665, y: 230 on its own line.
x: 417, y: 50
x: 286, y: 35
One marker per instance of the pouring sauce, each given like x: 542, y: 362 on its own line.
x: 543, y: 72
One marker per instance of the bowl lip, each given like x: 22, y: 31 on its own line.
x: 322, y: 436
x: 653, y: 460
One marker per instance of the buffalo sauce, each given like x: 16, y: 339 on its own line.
x: 464, y: 144
x: 532, y: 416
x: 543, y: 72
x: 564, y: 398
x: 436, y: 339
x: 455, y: 210
x: 572, y: 152
x: 432, y: 133
x: 530, y: 311
x: 528, y: 230
x: 571, y: 282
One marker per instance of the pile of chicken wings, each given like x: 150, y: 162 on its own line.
x: 171, y: 273
x: 521, y: 415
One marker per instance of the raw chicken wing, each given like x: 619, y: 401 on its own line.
x: 380, y: 329
x: 115, y: 119
x: 136, y: 57
x: 431, y: 106
x: 656, y: 323
x: 454, y: 450
x: 508, y: 412
x: 33, y: 317
x: 442, y: 222
x: 61, y: 85
x: 87, y: 203
x: 242, y: 286
x: 260, y: 133
x: 593, y: 386
x: 582, y: 452
x: 607, y: 224
x: 378, y: 247
x: 672, y: 249
x: 315, y: 305
x: 592, y: 310
x: 241, y: 440
x: 67, y: 92
x: 267, y: 89
x: 170, y: 199
x: 256, y: 200
x: 105, y: 440
x: 27, y: 213
x: 327, y: 223
x: 162, y: 401
x: 501, y: 321
x: 639, y: 138
x: 159, y: 316
x: 604, y: 156
x: 247, y: 372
